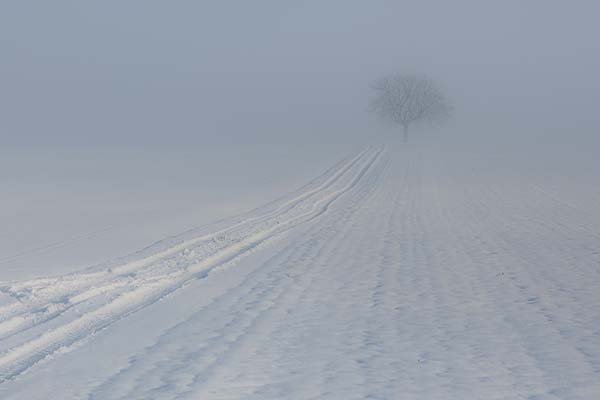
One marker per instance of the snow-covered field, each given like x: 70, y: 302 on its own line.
x: 63, y: 209
x: 401, y: 272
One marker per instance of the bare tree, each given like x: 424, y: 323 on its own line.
x: 408, y: 99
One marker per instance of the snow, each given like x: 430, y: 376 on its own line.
x: 402, y: 272
x: 63, y: 209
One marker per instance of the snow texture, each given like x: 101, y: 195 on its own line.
x: 391, y: 276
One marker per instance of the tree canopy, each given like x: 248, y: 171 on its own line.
x: 409, y: 99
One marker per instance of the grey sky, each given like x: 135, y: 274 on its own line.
x: 162, y: 72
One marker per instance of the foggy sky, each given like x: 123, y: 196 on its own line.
x: 158, y: 73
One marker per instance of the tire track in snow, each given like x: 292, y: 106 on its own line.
x: 44, y: 299
x: 281, y: 350
x: 177, y: 367
x: 146, y: 291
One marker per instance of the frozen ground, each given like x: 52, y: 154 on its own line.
x: 400, y: 273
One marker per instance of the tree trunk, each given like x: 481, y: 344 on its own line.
x: 405, y: 133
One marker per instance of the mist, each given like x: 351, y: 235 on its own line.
x: 156, y: 74
x: 188, y: 106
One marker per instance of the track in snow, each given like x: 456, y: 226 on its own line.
x: 77, y: 305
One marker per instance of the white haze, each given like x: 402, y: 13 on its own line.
x: 151, y: 117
